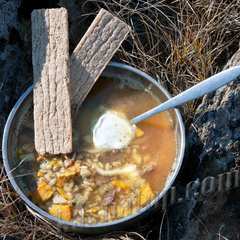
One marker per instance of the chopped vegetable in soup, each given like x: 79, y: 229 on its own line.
x: 90, y: 186
x: 93, y: 188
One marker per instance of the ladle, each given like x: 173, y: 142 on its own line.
x: 114, y: 132
x: 208, y: 85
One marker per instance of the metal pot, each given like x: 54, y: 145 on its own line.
x: 20, y: 173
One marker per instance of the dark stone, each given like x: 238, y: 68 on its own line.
x: 214, y: 143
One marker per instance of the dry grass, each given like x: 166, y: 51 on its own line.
x: 178, y: 42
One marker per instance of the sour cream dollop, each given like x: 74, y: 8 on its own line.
x: 112, y: 131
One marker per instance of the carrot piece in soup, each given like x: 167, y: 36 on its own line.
x: 40, y: 158
x: 63, y: 211
x: 60, y: 182
x: 44, y: 191
x: 71, y: 171
x: 146, y: 194
x: 139, y: 132
x: 40, y: 173
x: 63, y: 194
x: 120, y: 184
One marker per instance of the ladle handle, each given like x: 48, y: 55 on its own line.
x: 210, y: 84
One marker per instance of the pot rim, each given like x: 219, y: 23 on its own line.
x: 46, y: 215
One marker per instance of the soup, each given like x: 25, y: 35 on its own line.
x: 89, y: 186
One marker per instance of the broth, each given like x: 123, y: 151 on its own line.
x: 159, y: 139
x: 90, y: 186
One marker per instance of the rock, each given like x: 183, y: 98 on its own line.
x: 215, y: 130
x: 8, y: 16
x: 213, y: 145
x: 13, y: 65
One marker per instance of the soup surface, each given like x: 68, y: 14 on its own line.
x: 89, y: 186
